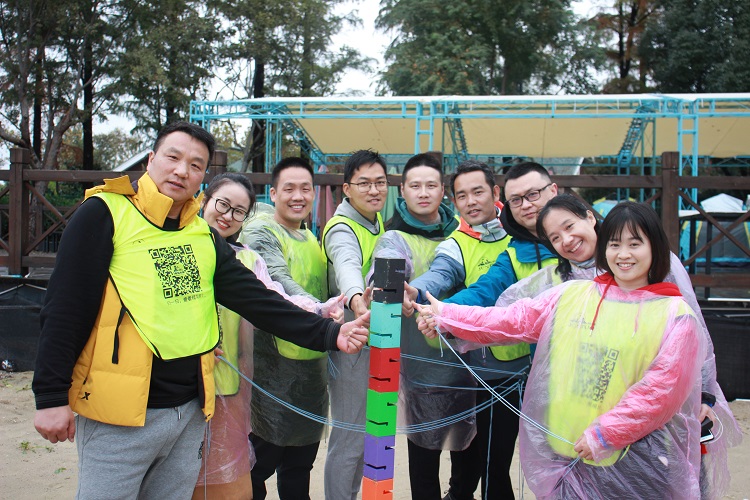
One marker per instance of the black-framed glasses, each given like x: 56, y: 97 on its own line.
x: 365, y: 186
x: 533, y: 195
x: 222, y: 206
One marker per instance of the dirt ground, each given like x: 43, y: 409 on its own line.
x: 32, y: 468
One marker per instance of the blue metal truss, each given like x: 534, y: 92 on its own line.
x: 282, y: 117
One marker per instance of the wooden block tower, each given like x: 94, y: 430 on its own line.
x: 382, y: 392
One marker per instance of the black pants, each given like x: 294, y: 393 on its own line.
x: 424, y: 473
x: 292, y: 465
x: 497, y: 430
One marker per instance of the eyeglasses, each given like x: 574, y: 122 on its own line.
x: 534, y: 195
x: 238, y: 214
x: 365, y: 186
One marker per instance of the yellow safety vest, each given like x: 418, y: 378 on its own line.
x: 522, y: 270
x: 227, y: 380
x: 165, y: 280
x: 365, y: 238
x: 307, y: 267
x: 590, y: 372
x: 478, y: 257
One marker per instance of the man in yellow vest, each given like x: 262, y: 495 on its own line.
x: 528, y: 187
x: 428, y: 383
x: 286, y: 442
x: 129, y: 326
x: 348, y: 241
x: 459, y: 261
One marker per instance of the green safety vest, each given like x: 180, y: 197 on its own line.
x: 227, y: 380
x: 164, y: 280
x: 307, y: 267
x: 478, y: 257
x: 522, y: 270
x: 422, y: 255
x: 365, y: 238
x: 590, y: 372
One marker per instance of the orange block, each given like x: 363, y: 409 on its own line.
x: 377, y: 490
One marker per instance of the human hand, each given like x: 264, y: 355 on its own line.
x: 410, y: 295
x: 218, y: 352
x: 358, y: 304
x: 706, y: 411
x: 583, y: 449
x: 56, y: 424
x: 334, y: 308
x: 353, y: 335
x: 427, y: 323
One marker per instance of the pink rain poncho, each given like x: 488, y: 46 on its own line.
x: 228, y: 455
x: 620, y: 369
x: 715, y: 476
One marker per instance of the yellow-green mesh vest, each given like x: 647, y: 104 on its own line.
x: 365, y: 238
x: 422, y: 255
x: 227, y: 380
x: 522, y: 270
x: 307, y: 267
x: 478, y: 257
x: 590, y: 371
x: 164, y: 280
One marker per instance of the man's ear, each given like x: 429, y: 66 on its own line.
x: 272, y: 193
x: 553, y: 189
x: 345, y: 188
x: 496, y: 192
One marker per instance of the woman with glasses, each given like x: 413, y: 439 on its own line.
x: 227, y: 455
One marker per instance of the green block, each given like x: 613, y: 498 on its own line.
x: 381, y: 413
x: 385, y: 325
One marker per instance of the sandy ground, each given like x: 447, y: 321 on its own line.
x: 32, y: 468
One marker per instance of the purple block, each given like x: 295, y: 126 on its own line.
x: 379, y: 457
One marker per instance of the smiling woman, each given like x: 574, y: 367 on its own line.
x: 615, y: 382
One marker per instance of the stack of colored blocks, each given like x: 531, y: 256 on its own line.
x: 382, y: 392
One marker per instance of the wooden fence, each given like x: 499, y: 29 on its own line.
x: 668, y: 188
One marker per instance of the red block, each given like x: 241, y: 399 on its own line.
x: 384, y: 369
x: 377, y: 490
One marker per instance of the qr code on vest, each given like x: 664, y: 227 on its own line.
x: 594, y: 371
x: 177, y: 269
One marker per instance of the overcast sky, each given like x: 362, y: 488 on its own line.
x: 366, y: 38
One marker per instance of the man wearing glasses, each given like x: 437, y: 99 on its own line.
x: 528, y: 188
x: 129, y: 326
x: 348, y: 242
x: 285, y: 442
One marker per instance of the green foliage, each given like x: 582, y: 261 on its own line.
x: 169, y: 53
x: 475, y: 47
x: 700, y: 46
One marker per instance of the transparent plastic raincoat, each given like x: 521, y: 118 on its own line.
x: 618, y: 369
x: 714, y: 465
x: 436, y: 396
x: 228, y: 455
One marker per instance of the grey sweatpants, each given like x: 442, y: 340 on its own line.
x: 160, y: 460
x: 348, y: 393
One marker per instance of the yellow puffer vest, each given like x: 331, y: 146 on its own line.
x: 112, y: 375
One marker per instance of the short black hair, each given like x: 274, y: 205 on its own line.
x: 226, y: 178
x: 193, y: 130
x: 292, y: 161
x: 642, y: 221
x: 573, y: 205
x: 473, y: 166
x: 523, y: 168
x: 360, y: 158
x: 422, y: 160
